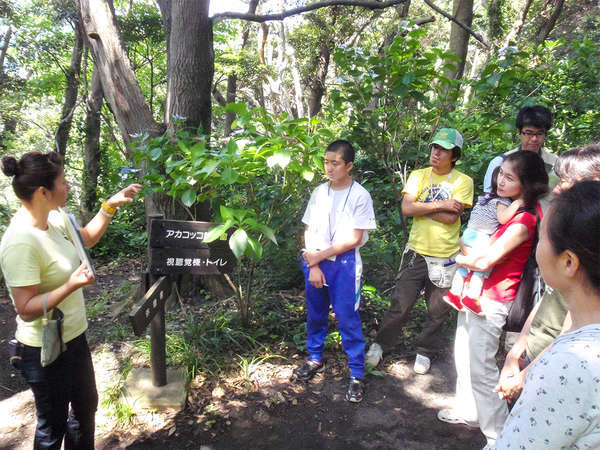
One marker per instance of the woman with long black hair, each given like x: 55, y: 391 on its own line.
x: 523, y: 177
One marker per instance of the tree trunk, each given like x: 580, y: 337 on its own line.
x: 548, y: 24
x: 518, y: 25
x: 459, y: 37
x: 232, y: 78
x: 191, y: 64
x: 9, y: 122
x: 4, y: 47
x: 120, y: 87
x: 317, y: 83
x: 263, y: 42
x: 494, y: 20
x: 70, y: 101
x: 91, y: 156
x: 230, y: 98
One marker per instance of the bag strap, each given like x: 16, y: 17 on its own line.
x: 44, y: 303
x: 536, y: 234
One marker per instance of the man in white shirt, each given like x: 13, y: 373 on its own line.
x: 337, y: 218
x: 533, y: 124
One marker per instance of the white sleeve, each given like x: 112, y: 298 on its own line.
x: 487, y: 180
x: 309, y: 208
x: 364, y: 215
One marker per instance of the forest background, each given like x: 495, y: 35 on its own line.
x: 226, y: 117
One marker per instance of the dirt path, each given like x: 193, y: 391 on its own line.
x: 261, y: 409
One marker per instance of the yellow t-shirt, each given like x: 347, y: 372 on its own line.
x: 427, y: 236
x: 30, y: 256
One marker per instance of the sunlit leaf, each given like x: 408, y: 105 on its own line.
x: 216, y: 232
x: 189, y: 197
x: 238, y: 242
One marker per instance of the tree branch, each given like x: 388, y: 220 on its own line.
x: 459, y: 23
x: 292, y: 12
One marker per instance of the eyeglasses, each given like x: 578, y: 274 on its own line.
x: 532, y: 134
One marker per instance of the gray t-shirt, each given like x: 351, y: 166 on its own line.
x: 484, y: 217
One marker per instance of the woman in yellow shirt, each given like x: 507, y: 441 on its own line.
x: 41, y: 265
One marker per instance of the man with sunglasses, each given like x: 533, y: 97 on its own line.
x: 533, y: 123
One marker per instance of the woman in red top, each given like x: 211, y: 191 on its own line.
x: 522, y: 177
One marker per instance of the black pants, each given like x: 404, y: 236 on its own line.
x: 412, y: 279
x: 67, y: 381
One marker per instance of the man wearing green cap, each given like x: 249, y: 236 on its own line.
x: 435, y: 197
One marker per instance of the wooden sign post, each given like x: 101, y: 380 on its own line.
x: 175, y: 247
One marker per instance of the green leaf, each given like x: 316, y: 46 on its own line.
x: 182, y: 145
x: 267, y: 232
x: 237, y: 108
x: 226, y: 213
x: 229, y: 176
x: 408, y: 78
x: 216, y: 232
x: 189, y: 197
x: 280, y: 158
x: 493, y: 80
x: 232, y: 147
x: 238, y: 242
x: 209, y: 168
x: 155, y: 153
x: 308, y: 175
x: 256, y: 248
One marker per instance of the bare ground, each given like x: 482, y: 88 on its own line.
x: 257, y: 409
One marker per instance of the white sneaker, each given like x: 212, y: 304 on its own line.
x: 422, y: 364
x: 453, y: 417
x: 373, y: 356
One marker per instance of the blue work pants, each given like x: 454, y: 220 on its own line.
x: 343, y: 293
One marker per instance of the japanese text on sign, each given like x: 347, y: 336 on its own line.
x: 182, y: 234
x: 195, y: 262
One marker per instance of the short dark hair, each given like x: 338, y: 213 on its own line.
x: 573, y: 225
x: 344, y: 147
x: 530, y: 169
x: 455, y: 154
x: 35, y: 169
x: 534, y: 116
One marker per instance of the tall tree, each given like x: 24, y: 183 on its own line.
x: 459, y: 37
x: 91, y: 156
x: 4, y: 47
x: 232, y: 78
x: 119, y: 84
x: 548, y: 23
x: 518, y: 25
x: 70, y: 99
x: 190, y: 62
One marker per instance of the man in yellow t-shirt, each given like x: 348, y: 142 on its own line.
x: 435, y: 197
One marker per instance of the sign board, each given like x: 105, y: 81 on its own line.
x: 152, y: 302
x: 177, y: 246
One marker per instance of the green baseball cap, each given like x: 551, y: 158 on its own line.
x: 448, y: 138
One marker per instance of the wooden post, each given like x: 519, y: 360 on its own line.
x: 158, y: 345
x: 158, y: 348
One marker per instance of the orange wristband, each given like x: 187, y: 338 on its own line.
x: 108, y: 209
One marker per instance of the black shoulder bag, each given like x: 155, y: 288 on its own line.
x: 527, y: 290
